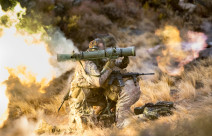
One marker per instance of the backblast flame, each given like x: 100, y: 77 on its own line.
x: 4, y: 102
x: 22, y: 55
x: 178, y: 53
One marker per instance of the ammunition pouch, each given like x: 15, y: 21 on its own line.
x: 108, y: 66
x: 111, y: 95
x: 112, y: 92
x: 77, y: 93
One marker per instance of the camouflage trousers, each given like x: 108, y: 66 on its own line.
x: 129, y: 94
x: 80, y: 115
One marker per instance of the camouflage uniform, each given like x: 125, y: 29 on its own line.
x: 86, y: 91
x: 124, y: 97
x: 90, y: 87
x: 87, y: 80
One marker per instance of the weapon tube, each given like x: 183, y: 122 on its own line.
x: 112, y: 53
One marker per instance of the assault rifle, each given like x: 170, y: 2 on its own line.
x: 117, y: 75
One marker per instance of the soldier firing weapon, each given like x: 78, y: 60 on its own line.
x: 108, y: 53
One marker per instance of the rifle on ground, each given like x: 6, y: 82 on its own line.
x: 117, y: 75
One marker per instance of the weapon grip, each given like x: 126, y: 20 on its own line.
x: 111, y: 79
x: 134, y: 79
x: 120, y: 80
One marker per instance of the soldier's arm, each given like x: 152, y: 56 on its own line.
x: 94, y: 76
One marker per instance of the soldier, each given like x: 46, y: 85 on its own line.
x: 90, y: 84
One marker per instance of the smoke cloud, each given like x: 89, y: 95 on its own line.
x: 61, y: 26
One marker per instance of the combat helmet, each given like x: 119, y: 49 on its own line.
x: 108, y: 41
x: 93, y: 45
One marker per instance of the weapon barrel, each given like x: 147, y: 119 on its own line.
x: 64, y: 57
x: 98, y: 54
x: 147, y: 74
x: 136, y: 74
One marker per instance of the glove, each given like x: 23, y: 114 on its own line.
x: 125, y: 62
x: 109, y: 65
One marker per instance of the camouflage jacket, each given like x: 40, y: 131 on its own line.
x: 88, y: 81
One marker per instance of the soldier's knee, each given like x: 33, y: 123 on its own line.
x: 137, y: 91
x: 132, y: 88
x: 136, y: 94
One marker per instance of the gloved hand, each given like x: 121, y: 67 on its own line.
x: 109, y: 65
x: 125, y: 62
x: 126, y: 59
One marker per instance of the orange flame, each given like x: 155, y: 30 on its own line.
x: 4, y: 102
x: 23, y: 55
x: 178, y: 53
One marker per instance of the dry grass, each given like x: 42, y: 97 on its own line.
x: 191, y: 92
x: 191, y: 100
